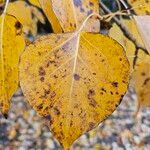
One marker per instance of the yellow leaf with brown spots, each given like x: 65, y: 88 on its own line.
x: 70, y: 14
x: 11, y: 46
x: 27, y: 15
x: 141, y: 7
x: 141, y: 78
x: 74, y: 80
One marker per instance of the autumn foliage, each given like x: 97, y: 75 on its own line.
x: 74, y: 77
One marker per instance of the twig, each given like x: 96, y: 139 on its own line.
x: 124, y: 29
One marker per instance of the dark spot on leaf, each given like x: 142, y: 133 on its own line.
x: 146, y: 81
x: 18, y: 25
x: 40, y: 106
x: 81, y: 10
x: 41, y: 71
x: 91, y: 93
x: 42, y: 79
x: 102, y: 89
x: 111, y: 92
x: 120, y: 59
x: 117, y: 93
x: 76, y: 77
x: 53, y: 94
x: 91, y: 4
x: 48, y: 117
x: 94, y: 73
x: 56, y: 111
x: 115, y: 84
x: 91, y: 125
x: 143, y: 73
x: 89, y: 12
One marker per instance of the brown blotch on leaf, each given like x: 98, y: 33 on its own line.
x: 143, y: 73
x: 146, y: 81
x: 42, y: 79
x: 53, y: 94
x: 92, y: 102
x: 18, y: 25
x: 115, y: 84
x: 42, y: 71
x: 91, y: 93
x: 76, y: 77
x: 102, y: 89
x: 56, y: 111
x: 91, y: 125
x: 91, y: 4
x: 48, y: 117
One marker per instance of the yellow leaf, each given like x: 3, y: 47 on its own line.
x: 46, y: 5
x: 116, y: 33
x: 35, y: 2
x: 141, y: 78
x: 143, y: 24
x: 72, y: 13
x: 74, y: 80
x: 69, y: 15
x: 141, y: 7
x: 24, y: 13
x: 12, y: 44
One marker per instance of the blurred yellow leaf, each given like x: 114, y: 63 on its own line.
x: 116, y: 33
x: 11, y: 45
x: 74, y: 80
x: 141, y: 78
x: 35, y: 2
x: 72, y: 13
x: 141, y: 7
x: 46, y: 5
x: 27, y: 15
x: 143, y: 24
x: 69, y: 15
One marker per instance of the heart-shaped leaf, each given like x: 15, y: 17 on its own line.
x: 74, y: 80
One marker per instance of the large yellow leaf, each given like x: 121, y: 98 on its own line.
x: 69, y: 15
x: 74, y: 80
x: 143, y: 25
x: 11, y: 45
x: 27, y: 15
x: 141, y: 7
x: 141, y: 78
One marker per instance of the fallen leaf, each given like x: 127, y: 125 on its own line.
x: 27, y: 15
x: 143, y: 24
x: 11, y: 46
x: 74, y: 81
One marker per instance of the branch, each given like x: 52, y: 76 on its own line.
x: 124, y: 29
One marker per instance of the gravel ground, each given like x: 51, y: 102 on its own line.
x: 24, y: 130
